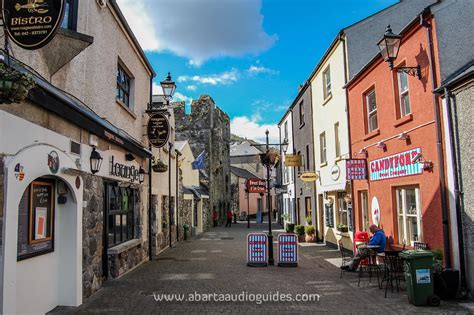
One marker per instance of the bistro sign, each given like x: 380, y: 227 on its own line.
x: 131, y: 173
x: 158, y: 130
x: 398, y: 165
x: 31, y: 24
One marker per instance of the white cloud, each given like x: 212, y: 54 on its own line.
x: 178, y: 97
x: 257, y: 69
x: 223, y: 78
x: 191, y: 87
x: 250, y: 128
x: 199, y: 30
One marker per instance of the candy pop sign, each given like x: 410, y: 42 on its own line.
x: 398, y: 165
x: 287, y: 250
x: 257, y: 254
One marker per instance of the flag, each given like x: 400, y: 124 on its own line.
x: 199, y: 163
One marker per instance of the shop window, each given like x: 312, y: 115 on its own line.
x: 336, y: 140
x: 301, y: 113
x: 404, y: 96
x: 123, y: 86
x: 36, y: 213
x: 327, y: 82
x: 342, y: 209
x: 329, y: 211
x: 322, y: 148
x: 364, y: 205
x: 409, y: 215
x: 120, y: 214
x: 70, y: 15
x: 371, y: 111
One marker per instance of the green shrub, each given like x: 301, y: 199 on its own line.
x: 299, y: 229
x: 309, y: 220
x: 290, y: 228
x: 310, y: 230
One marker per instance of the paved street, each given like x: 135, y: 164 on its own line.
x: 215, y: 262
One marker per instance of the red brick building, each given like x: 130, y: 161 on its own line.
x: 393, y: 125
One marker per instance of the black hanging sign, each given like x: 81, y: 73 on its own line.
x: 31, y: 24
x: 158, y: 130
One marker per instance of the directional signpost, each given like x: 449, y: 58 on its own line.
x: 257, y: 250
x: 287, y: 250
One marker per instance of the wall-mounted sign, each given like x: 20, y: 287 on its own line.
x: 293, y: 160
x: 375, y: 211
x: 287, y: 250
x: 257, y: 255
x: 36, y: 220
x: 19, y: 172
x: 256, y: 185
x: 398, y: 165
x: 31, y: 24
x: 356, y: 169
x: 335, y: 172
x: 158, y: 130
x: 129, y: 172
x: 309, y: 177
x: 53, y: 162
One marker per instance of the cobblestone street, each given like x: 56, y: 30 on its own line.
x: 215, y: 262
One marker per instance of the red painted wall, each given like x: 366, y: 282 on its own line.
x: 413, y: 50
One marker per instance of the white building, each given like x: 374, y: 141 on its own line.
x: 287, y: 199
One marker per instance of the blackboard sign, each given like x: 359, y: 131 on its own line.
x: 36, y: 220
x: 31, y: 24
x: 158, y: 130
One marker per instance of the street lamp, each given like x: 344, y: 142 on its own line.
x: 169, y: 87
x: 96, y: 161
x: 141, y: 175
x: 389, y: 46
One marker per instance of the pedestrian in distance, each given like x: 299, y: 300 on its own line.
x: 229, y: 219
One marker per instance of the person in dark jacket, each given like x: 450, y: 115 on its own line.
x: 378, y: 239
x: 229, y: 219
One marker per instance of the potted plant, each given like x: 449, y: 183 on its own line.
x: 342, y: 228
x: 14, y: 85
x: 310, y: 233
x: 290, y: 228
x: 445, y: 281
x: 299, y: 229
x: 159, y: 167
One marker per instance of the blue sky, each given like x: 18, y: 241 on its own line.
x: 249, y: 55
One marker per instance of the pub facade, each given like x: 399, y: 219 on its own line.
x: 73, y: 199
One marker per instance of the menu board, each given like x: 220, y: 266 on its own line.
x: 36, y: 220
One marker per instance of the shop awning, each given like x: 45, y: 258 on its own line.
x: 335, y: 187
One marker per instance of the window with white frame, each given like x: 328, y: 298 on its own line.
x: 342, y: 209
x: 364, y: 203
x: 409, y: 215
x: 405, y: 108
x: 371, y: 104
x: 322, y: 147
x: 336, y: 139
x: 327, y: 82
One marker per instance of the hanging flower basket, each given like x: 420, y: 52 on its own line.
x: 159, y: 167
x: 270, y: 158
x: 14, y: 85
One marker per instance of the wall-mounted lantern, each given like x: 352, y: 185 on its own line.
x: 141, y: 175
x: 96, y: 161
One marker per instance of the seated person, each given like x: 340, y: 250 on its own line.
x: 378, y: 239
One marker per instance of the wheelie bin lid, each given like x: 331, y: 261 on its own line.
x: 415, y: 253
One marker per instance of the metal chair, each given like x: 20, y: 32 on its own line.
x: 393, y: 271
x: 370, y: 266
x: 345, y: 259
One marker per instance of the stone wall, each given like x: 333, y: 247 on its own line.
x: 123, y: 262
x: 92, y: 233
x: 207, y: 129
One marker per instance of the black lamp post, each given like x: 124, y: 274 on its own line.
x: 248, y: 207
x: 96, y: 161
x: 389, y: 46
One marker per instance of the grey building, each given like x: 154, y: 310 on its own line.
x: 207, y: 128
x: 303, y: 145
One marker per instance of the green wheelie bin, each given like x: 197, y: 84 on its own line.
x: 419, y: 277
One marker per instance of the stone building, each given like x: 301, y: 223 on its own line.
x: 77, y: 224
x: 207, y: 128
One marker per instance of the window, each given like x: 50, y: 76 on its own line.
x: 322, y: 146
x: 370, y: 102
x: 308, y: 160
x: 364, y: 204
x: 123, y: 86
x: 342, y: 211
x: 327, y: 82
x: 329, y: 214
x: 120, y: 208
x: 409, y: 215
x: 70, y: 15
x: 301, y: 112
x: 299, y: 167
x: 336, y: 139
x: 405, y: 108
x: 308, y: 207
x: 286, y: 130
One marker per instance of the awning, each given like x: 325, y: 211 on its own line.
x: 335, y: 187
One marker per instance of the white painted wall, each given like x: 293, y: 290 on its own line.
x: 288, y: 179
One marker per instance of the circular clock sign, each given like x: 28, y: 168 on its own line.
x: 375, y: 211
x: 158, y: 130
x: 31, y: 24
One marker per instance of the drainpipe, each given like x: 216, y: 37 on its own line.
x: 458, y: 190
x: 439, y: 145
x: 177, y: 195
x: 295, y: 211
x: 150, y: 194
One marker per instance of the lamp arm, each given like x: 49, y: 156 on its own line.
x: 413, y: 71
